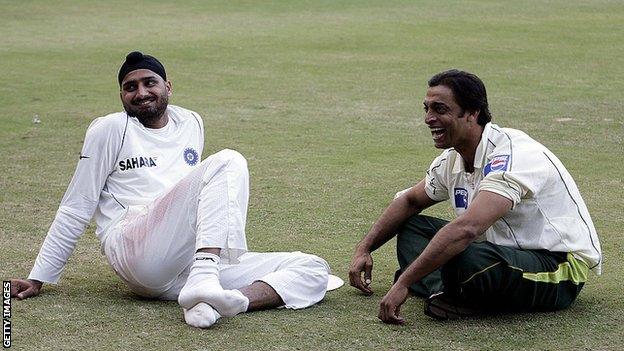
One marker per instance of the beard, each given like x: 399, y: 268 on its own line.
x: 152, y: 113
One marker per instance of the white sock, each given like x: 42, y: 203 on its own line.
x: 203, y: 286
x: 201, y: 315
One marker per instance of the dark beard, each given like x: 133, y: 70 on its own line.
x: 150, y: 114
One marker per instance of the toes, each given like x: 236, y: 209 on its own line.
x: 227, y: 302
x: 201, y: 316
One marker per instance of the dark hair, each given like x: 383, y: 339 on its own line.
x: 468, y: 90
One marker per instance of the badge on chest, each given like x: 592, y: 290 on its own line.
x: 461, y: 198
x: 191, y: 157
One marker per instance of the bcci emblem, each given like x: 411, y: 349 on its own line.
x: 190, y: 156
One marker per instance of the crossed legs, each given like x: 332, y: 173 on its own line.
x: 491, y: 277
x: 189, y: 242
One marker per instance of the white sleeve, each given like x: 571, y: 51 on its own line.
x: 517, y: 178
x: 96, y: 162
x: 435, y: 180
x: 201, y: 132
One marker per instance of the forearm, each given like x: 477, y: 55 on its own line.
x: 98, y: 155
x: 58, y: 246
x: 388, y: 223
x: 451, y: 240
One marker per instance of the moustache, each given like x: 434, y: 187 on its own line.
x: 140, y: 101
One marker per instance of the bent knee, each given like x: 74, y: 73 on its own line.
x: 404, y: 241
x: 312, y: 261
x: 464, y: 263
x: 470, y: 269
x: 308, y: 264
x: 231, y: 156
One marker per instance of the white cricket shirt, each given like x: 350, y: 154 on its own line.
x: 122, y: 164
x: 548, y: 211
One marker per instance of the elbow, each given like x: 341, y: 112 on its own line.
x: 413, y: 206
x: 470, y: 235
x: 468, y: 231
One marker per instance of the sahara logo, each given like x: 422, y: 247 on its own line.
x: 137, y: 162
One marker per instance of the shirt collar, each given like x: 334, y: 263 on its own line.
x: 479, y: 159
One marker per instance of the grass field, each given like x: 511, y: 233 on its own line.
x: 324, y: 99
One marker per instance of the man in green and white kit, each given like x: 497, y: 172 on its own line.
x: 523, y: 239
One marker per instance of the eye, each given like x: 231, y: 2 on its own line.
x: 129, y: 87
x: 150, y: 82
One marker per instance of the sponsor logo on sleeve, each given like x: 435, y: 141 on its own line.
x: 191, y: 156
x: 461, y: 198
x: 497, y: 164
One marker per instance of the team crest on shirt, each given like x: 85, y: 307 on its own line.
x: 497, y: 164
x: 461, y: 198
x: 190, y: 156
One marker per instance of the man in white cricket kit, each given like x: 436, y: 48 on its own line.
x: 171, y: 227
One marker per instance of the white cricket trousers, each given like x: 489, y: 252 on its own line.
x: 152, y: 246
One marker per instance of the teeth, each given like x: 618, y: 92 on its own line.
x: 437, y: 133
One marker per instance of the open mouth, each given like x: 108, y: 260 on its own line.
x: 144, y: 102
x: 437, y: 133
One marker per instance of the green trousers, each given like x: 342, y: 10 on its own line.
x: 493, y: 277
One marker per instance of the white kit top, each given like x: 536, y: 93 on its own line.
x: 122, y: 164
x: 548, y: 211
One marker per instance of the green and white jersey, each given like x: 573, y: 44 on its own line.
x: 122, y: 164
x: 548, y: 211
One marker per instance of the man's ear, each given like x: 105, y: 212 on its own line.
x: 472, y: 116
x: 169, y: 87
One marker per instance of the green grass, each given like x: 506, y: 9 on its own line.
x: 324, y: 99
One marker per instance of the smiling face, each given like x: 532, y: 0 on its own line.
x: 145, y: 95
x: 450, y: 125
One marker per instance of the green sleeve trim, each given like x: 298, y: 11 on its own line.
x: 573, y: 270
